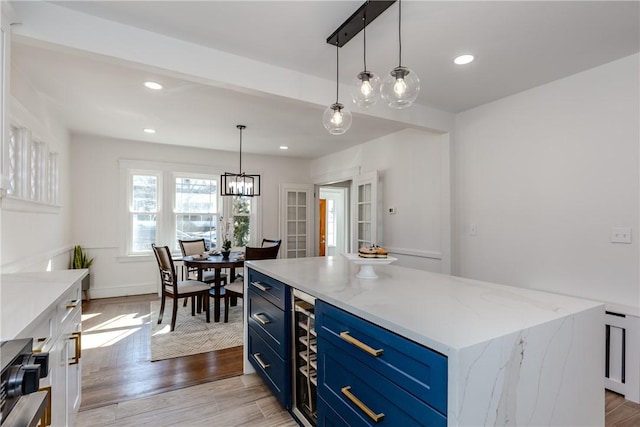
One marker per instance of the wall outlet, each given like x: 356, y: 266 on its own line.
x: 473, y: 229
x: 621, y: 235
x: 392, y: 210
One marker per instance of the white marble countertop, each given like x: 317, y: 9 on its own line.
x: 445, y: 313
x: 24, y: 296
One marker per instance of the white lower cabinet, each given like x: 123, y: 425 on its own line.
x: 57, y: 331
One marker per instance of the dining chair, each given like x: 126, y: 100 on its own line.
x: 271, y: 242
x: 176, y: 289
x: 195, y: 247
x: 236, y: 289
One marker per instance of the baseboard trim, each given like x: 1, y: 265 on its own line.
x: 123, y: 291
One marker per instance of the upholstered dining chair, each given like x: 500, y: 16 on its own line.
x: 195, y: 247
x: 271, y: 242
x: 176, y: 289
x: 236, y: 289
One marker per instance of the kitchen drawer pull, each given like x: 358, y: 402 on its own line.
x: 260, y: 361
x: 375, y: 417
x: 73, y: 304
x: 362, y: 346
x: 260, y: 286
x: 39, y: 344
x: 260, y: 317
x: 77, y: 337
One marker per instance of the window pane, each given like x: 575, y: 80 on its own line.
x: 144, y: 232
x: 191, y: 227
x: 241, y: 213
x: 196, y: 195
x: 145, y: 193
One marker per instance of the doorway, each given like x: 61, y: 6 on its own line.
x: 333, y: 219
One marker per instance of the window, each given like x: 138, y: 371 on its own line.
x: 144, y: 210
x: 241, y: 214
x: 167, y: 202
x: 196, y: 210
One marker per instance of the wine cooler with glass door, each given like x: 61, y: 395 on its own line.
x: 304, y: 352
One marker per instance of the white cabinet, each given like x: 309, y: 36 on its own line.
x: 57, y: 331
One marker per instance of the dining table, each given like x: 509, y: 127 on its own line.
x: 216, y: 262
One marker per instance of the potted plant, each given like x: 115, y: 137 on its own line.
x: 81, y: 260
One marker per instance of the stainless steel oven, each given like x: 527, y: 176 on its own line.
x: 20, y: 402
x: 304, y: 349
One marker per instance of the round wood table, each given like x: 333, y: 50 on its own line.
x: 217, y: 263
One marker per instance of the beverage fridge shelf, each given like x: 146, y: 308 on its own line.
x: 304, y: 307
x: 313, y: 377
x: 312, y: 356
x: 303, y: 325
x: 311, y: 343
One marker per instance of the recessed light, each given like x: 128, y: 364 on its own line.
x: 284, y: 147
x: 153, y: 85
x: 149, y: 130
x: 463, y: 59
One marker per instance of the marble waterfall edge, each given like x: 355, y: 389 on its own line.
x: 535, y: 377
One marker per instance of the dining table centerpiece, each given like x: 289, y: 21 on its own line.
x: 227, y: 232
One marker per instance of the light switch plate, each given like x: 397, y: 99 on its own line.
x: 621, y: 235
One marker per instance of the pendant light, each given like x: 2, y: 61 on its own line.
x: 401, y: 85
x: 366, y: 90
x: 240, y: 184
x: 336, y: 119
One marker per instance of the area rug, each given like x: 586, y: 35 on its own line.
x: 193, y: 334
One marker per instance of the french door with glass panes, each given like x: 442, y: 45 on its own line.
x: 365, y: 206
x: 296, y: 220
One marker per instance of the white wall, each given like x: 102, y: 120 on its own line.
x: 545, y: 175
x: 413, y: 167
x: 97, y: 200
x: 35, y: 237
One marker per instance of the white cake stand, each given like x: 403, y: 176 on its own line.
x: 366, y: 265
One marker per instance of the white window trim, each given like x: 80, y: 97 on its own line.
x: 168, y: 171
x: 128, y: 212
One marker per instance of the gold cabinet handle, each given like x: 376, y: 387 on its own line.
x: 77, y: 337
x: 73, y: 304
x: 375, y: 417
x: 39, y: 344
x: 362, y: 346
x: 260, y: 286
x: 260, y: 361
x: 260, y: 317
x: 46, y: 417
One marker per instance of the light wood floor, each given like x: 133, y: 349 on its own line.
x: 121, y: 387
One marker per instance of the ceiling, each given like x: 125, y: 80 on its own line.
x: 518, y: 45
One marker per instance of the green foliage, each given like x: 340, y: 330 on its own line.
x: 80, y: 259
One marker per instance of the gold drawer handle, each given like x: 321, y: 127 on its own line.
x: 73, y: 304
x: 260, y: 317
x: 260, y: 286
x: 260, y: 361
x: 362, y: 346
x: 46, y: 417
x: 39, y: 344
x: 375, y: 417
x: 77, y: 337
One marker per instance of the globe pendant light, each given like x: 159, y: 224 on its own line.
x: 366, y: 90
x: 336, y: 119
x: 401, y: 85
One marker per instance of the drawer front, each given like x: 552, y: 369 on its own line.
x: 269, y: 288
x: 413, y: 367
x: 269, y: 321
x: 364, y: 397
x: 328, y: 417
x: 273, y: 369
